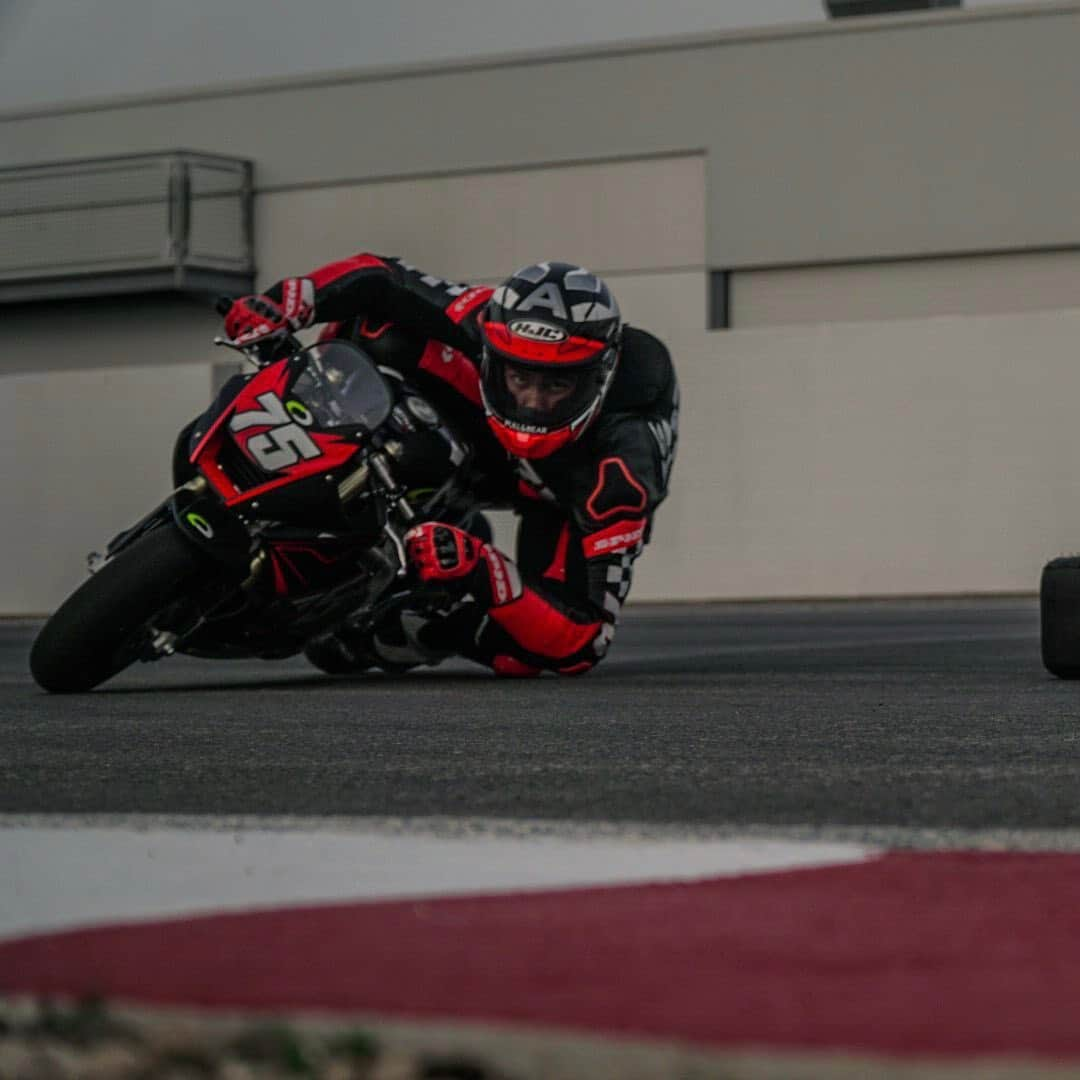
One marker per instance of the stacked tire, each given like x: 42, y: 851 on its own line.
x: 1059, y: 611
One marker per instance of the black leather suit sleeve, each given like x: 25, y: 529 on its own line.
x: 387, y: 289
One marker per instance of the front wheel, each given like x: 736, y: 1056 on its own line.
x: 1059, y: 611
x: 102, y: 627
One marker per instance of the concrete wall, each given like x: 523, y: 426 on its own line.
x: 86, y: 453
x: 906, y: 288
x: 917, y: 456
x: 952, y: 132
x: 132, y: 331
x: 896, y: 202
x: 478, y: 226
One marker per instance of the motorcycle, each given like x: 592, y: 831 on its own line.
x: 305, y: 475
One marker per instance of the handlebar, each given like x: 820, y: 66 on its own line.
x: 260, y: 353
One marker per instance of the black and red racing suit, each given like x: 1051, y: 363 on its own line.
x: 585, y: 511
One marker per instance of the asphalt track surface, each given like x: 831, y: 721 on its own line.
x: 930, y: 715
x: 899, y: 723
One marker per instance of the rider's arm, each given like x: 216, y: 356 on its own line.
x: 387, y: 289
x: 421, y: 325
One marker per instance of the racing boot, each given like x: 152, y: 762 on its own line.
x: 400, y: 641
x: 341, y: 653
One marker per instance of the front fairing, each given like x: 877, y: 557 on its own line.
x: 292, y: 430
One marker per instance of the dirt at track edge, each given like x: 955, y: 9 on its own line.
x: 122, y: 1041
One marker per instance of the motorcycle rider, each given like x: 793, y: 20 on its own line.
x: 572, y: 413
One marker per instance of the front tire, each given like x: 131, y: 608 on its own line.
x: 100, y: 629
x: 1059, y: 612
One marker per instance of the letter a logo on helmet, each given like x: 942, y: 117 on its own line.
x: 560, y: 321
x: 547, y: 296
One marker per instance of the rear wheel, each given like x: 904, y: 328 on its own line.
x: 102, y: 627
x: 1059, y: 610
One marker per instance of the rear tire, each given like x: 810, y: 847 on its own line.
x: 1059, y: 611
x: 100, y: 629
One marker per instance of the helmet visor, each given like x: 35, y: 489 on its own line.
x: 539, y: 399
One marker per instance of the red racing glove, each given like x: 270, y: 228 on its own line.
x: 255, y: 318
x: 443, y: 553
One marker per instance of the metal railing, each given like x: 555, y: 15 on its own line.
x: 177, y: 221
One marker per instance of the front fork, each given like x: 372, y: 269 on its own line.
x: 395, y: 497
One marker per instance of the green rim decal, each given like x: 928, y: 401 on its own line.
x: 199, y: 524
x: 299, y: 412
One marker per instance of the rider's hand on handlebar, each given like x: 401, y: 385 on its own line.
x: 462, y: 562
x: 442, y: 552
x: 251, y: 319
x: 254, y: 318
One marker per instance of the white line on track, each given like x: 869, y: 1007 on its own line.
x: 63, y: 874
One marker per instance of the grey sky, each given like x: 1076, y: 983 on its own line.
x: 54, y: 51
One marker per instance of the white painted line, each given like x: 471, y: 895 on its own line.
x: 60, y: 878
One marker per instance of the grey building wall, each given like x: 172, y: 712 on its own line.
x: 896, y: 203
x: 950, y: 133
x: 56, y: 51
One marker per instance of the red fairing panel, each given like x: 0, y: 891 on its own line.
x: 272, y: 378
x: 333, y: 450
x: 293, y: 563
x: 452, y: 367
x: 616, y: 539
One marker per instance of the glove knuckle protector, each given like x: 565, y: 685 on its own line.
x: 441, y: 552
x: 252, y: 318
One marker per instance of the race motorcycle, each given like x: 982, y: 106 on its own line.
x: 1059, y: 616
x: 305, y: 475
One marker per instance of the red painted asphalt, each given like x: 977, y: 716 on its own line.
x: 954, y: 953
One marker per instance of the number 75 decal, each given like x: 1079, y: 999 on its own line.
x: 286, y: 442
